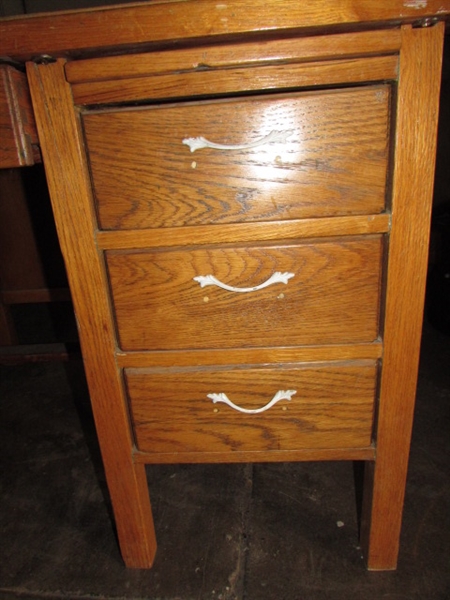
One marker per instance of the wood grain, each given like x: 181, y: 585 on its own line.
x: 68, y: 182
x: 240, y: 456
x: 250, y: 54
x: 333, y: 408
x: 17, y: 126
x: 334, y: 162
x: 115, y: 27
x: 418, y: 95
x: 249, y: 356
x: 244, y: 232
x: 332, y: 298
x: 135, y: 277
x: 232, y: 81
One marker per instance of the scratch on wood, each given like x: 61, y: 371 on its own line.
x: 418, y: 4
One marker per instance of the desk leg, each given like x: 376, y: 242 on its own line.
x: 416, y: 114
x: 61, y: 139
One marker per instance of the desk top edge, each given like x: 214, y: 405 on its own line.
x: 125, y: 27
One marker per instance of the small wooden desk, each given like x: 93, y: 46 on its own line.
x: 255, y: 295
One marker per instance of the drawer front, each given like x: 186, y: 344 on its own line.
x: 306, y: 155
x: 187, y: 411
x: 307, y: 293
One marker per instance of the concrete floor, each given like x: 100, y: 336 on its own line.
x: 262, y: 532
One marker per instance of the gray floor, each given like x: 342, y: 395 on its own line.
x: 276, y: 531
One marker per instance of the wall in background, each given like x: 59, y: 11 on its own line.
x: 19, y: 7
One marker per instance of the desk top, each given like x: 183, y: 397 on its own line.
x: 133, y: 27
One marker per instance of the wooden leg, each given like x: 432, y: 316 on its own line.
x: 70, y: 192
x: 381, y: 518
x: 134, y: 521
x: 412, y: 191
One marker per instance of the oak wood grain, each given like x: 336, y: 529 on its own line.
x: 116, y: 27
x: 179, y: 337
x: 249, y: 356
x: 231, y: 81
x: 279, y: 51
x: 333, y: 296
x: 17, y: 126
x: 244, y: 232
x: 333, y: 408
x: 239, y: 456
x: 68, y: 182
x: 418, y: 95
x: 333, y: 162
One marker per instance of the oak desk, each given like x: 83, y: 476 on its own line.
x: 242, y: 194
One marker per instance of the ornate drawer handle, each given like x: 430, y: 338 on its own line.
x: 277, y: 277
x: 274, y: 136
x: 280, y: 395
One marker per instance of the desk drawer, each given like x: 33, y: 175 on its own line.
x: 174, y: 410
x: 322, y: 291
x: 303, y: 155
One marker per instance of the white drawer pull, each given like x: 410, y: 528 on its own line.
x: 274, y: 136
x: 280, y: 395
x: 277, y: 277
